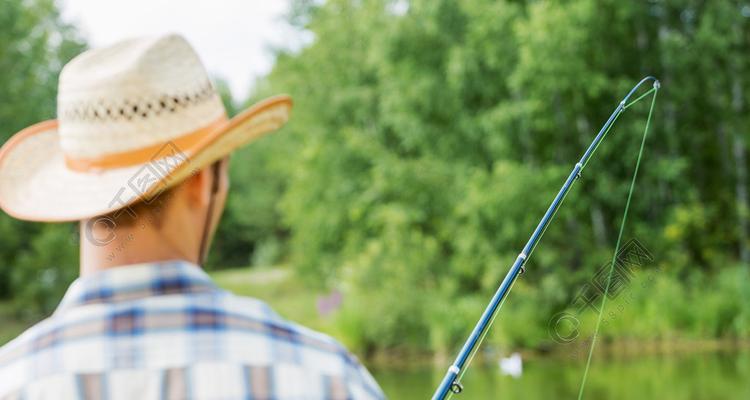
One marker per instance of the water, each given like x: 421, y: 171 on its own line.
x: 695, y: 376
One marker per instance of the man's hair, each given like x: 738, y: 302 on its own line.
x: 144, y: 211
x: 150, y: 211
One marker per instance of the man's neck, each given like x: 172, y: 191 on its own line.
x: 123, y: 246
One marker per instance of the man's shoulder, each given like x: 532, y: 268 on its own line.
x: 180, y: 330
x: 15, y: 360
x: 305, y: 347
x: 25, y: 341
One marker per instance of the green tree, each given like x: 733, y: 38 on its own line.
x: 37, y: 261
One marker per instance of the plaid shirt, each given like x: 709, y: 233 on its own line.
x: 166, y: 331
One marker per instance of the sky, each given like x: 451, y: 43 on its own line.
x: 233, y: 37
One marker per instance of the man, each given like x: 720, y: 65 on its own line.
x: 139, y: 155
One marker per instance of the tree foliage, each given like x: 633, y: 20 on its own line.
x: 38, y: 261
x: 430, y: 136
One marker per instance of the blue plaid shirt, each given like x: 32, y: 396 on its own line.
x: 166, y: 331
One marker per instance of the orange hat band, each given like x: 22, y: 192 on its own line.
x: 145, y: 154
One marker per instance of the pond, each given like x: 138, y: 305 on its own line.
x: 705, y: 375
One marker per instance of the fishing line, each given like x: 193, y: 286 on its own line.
x: 619, y: 237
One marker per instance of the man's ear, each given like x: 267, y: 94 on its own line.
x: 198, y: 187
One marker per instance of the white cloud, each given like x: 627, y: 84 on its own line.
x: 233, y: 37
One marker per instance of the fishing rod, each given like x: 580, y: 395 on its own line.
x: 451, y: 382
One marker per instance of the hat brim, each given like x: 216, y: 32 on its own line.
x: 37, y: 185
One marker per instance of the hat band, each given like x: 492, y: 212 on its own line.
x: 143, y: 155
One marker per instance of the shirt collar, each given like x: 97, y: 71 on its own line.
x: 137, y: 281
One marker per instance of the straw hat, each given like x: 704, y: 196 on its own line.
x: 134, y: 119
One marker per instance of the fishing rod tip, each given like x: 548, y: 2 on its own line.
x: 657, y: 84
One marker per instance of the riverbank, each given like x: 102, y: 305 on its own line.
x: 621, y: 350
x: 280, y: 288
